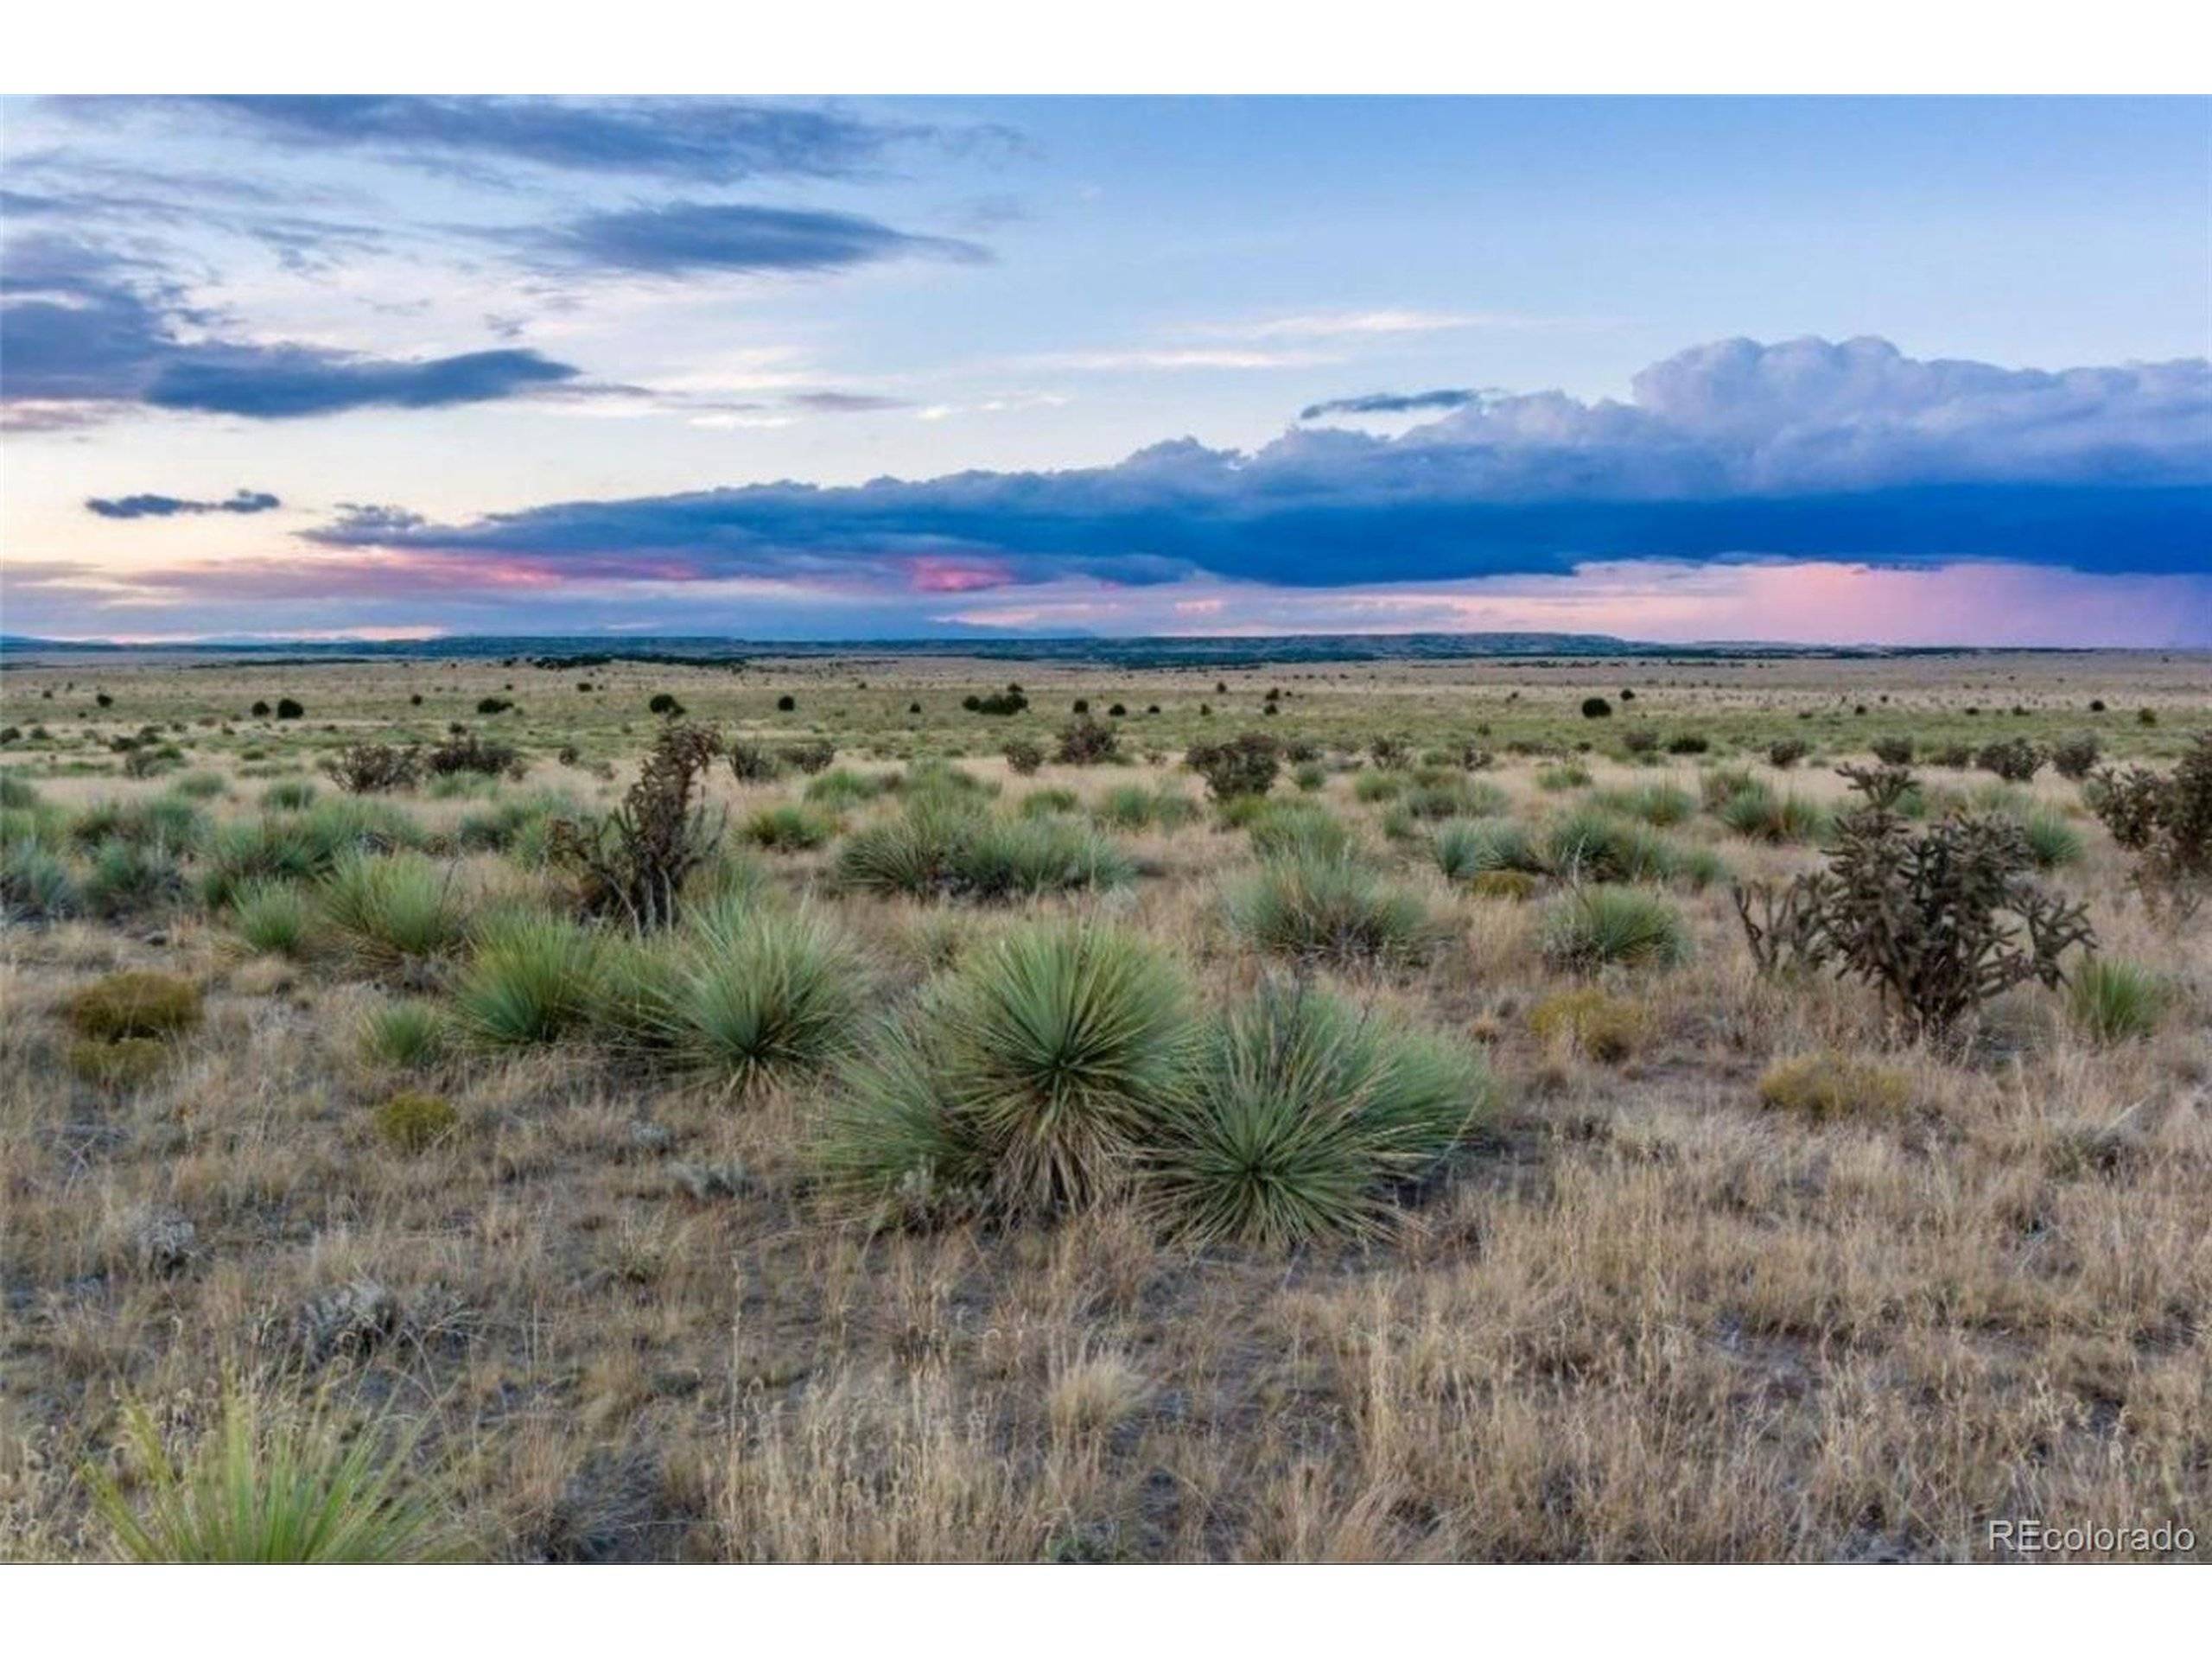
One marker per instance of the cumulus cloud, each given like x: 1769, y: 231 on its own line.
x: 170, y: 506
x: 680, y: 238
x: 84, y: 332
x: 1807, y: 449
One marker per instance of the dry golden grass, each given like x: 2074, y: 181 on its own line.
x: 1648, y: 1316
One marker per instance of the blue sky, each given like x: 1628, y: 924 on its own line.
x: 1847, y: 368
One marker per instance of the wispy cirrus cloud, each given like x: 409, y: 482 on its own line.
x: 242, y: 502
x: 687, y: 238
x: 703, y: 140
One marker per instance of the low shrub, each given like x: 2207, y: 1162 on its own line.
x: 1595, y: 1022
x: 1087, y: 742
x: 2166, y: 822
x: 1786, y: 752
x: 1023, y: 758
x: 134, y: 1003
x: 1306, y: 828
x: 373, y: 768
x: 2077, y: 757
x: 1245, y: 764
x: 1828, y: 1086
x: 2015, y: 759
x: 413, y: 1123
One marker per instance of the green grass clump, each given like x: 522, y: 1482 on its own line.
x: 409, y: 1035
x: 843, y: 789
x: 912, y: 852
x: 414, y: 1123
x: 1564, y: 775
x: 1026, y: 1083
x: 1457, y: 797
x: 283, y: 1486
x: 1373, y: 786
x: 135, y: 1003
x: 1467, y: 849
x: 520, y: 827
x: 1132, y: 807
x: 198, y: 786
x: 759, y: 995
x: 17, y: 793
x: 1761, y: 814
x: 934, y: 848
x: 392, y: 913
x: 165, y: 821
x: 1313, y: 906
x: 1279, y: 829
x: 1661, y: 805
x: 2114, y: 1001
x: 1606, y: 926
x: 288, y: 795
x: 35, y: 883
x: 1828, y: 1086
x: 1046, y: 803
x: 127, y: 878
x: 1305, y: 1118
x: 789, y: 826
x: 529, y: 980
x: 273, y: 918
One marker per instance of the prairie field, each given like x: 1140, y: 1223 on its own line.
x: 984, y: 1136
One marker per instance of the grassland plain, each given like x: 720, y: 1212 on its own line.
x: 597, y: 1248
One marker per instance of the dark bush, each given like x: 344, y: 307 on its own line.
x: 2167, y: 824
x: 2015, y: 759
x: 754, y: 763
x: 1786, y: 752
x: 1023, y: 757
x: 1245, y: 764
x: 1596, y: 709
x: 286, y: 709
x: 373, y: 768
x: 663, y: 702
x: 810, y: 755
x: 492, y: 705
x: 1085, y: 742
x: 2077, y: 757
x: 1892, y: 750
x: 787, y: 704
x: 1640, y: 740
x: 998, y: 702
x: 466, y: 751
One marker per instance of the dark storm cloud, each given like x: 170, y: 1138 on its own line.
x: 682, y: 237
x: 1805, y: 449
x: 170, y: 506
x: 1391, y: 402
x: 84, y: 332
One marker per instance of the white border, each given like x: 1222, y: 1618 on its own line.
x: 864, y: 46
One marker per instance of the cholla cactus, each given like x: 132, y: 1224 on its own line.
x: 634, y: 861
x: 1939, y: 920
x: 2166, y: 822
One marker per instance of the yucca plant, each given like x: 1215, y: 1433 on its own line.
x: 843, y: 789
x: 36, y: 885
x: 912, y: 852
x: 1661, y: 805
x: 1592, y: 846
x: 1304, y: 827
x: 1464, y: 848
x: 287, y: 1485
x: 1006, y: 859
x: 1046, y: 803
x: 1761, y: 814
x: 395, y: 913
x: 1305, y: 1116
x: 288, y: 795
x: 1313, y: 907
x: 128, y: 877
x: 1593, y: 927
x: 1065, y: 1040
x: 272, y: 919
x: 408, y: 1035
x: 2052, y: 842
x: 529, y: 980
x: 764, y: 994
x: 2116, y: 1001
x: 1025, y: 1084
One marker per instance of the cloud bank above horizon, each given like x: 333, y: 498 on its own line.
x: 529, y: 364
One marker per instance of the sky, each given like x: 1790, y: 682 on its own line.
x: 1905, y: 371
